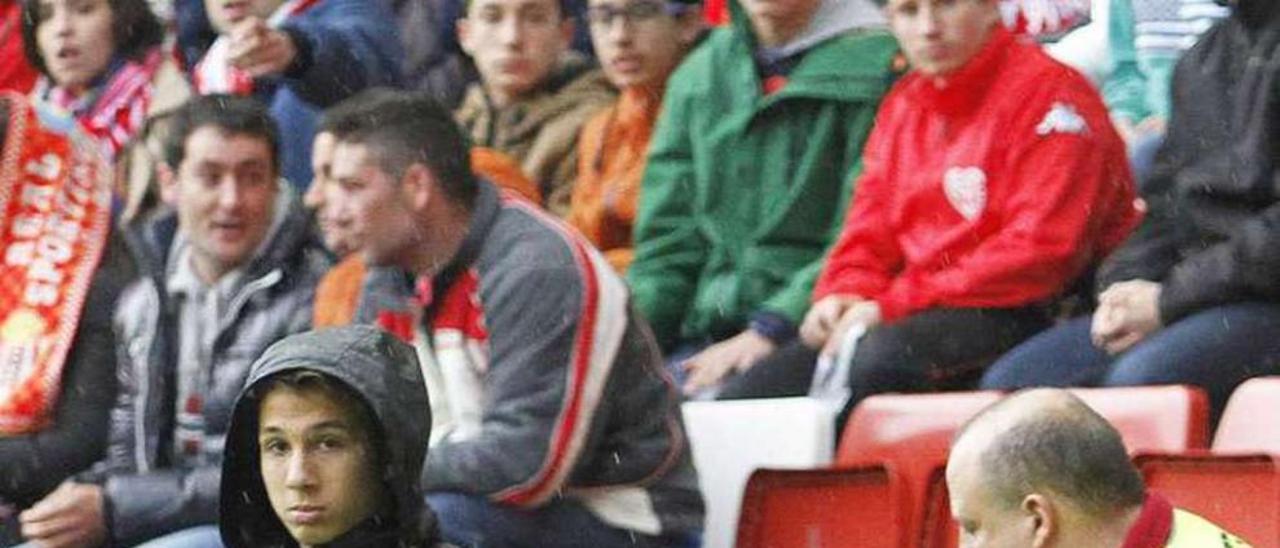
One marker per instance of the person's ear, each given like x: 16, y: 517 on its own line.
x: 1042, y: 521
x: 689, y: 27
x: 418, y: 186
x: 168, y: 182
x: 463, y: 28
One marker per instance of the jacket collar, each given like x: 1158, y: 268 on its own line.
x: 963, y: 90
x: 483, y: 214
x: 152, y: 240
x: 1154, y: 524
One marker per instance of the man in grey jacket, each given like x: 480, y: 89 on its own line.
x: 229, y: 271
x: 553, y: 423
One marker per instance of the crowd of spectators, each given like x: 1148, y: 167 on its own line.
x: 568, y: 216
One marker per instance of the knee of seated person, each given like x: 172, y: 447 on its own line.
x: 880, y: 351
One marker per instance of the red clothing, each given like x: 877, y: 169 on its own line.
x: 15, y: 73
x: 992, y: 188
x: 1160, y: 525
x: 1154, y: 524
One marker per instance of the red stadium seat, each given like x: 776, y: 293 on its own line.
x: 1153, y: 418
x: 1251, y: 421
x: 910, y: 434
x: 1238, y: 492
x: 833, y: 508
x: 1159, y: 418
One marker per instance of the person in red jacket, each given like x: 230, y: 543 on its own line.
x: 993, y: 180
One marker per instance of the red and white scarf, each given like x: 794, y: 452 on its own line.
x: 55, y: 212
x: 114, y: 112
x: 214, y: 73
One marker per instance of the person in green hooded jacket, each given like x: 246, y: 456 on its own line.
x: 748, y: 175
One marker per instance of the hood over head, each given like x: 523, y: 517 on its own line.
x: 385, y: 374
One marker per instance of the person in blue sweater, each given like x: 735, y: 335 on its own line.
x: 298, y: 56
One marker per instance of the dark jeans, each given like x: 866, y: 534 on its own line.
x: 1215, y: 349
x: 476, y: 522
x: 932, y: 350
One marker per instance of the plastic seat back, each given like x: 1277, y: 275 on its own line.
x: 830, y: 508
x: 1166, y: 419
x: 911, y: 434
x: 1251, y: 421
x: 908, y: 428
x: 1240, y: 493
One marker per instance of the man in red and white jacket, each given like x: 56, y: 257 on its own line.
x: 993, y: 179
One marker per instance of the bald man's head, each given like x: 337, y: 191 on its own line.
x: 1042, y: 442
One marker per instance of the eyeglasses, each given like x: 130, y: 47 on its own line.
x: 633, y: 12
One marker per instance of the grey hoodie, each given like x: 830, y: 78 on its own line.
x: 834, y: 17
x: 385, y: 373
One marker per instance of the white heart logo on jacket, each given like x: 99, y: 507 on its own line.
x: 966, y: 189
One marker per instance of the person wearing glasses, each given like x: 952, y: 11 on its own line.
x: 639, y: 43
x: 534, y: 93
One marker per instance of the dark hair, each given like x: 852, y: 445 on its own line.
x: 1070, y: 451
x: 403, y: 128
x: 307, y: 380
x: 136, y: 30
x: 233, y: 115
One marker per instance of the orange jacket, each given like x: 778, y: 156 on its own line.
x: 611, y: 159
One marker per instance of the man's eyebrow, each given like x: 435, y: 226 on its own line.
x: 326, y: 425
x: 331, y: 425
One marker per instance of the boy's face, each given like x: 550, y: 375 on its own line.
x: 515, y: 43
x: 940, y: 36
x: 639, y: 42
x: 318, y: 465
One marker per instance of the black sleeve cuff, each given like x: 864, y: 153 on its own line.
x: 773, y: 326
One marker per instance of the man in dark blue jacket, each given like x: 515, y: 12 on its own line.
x: 298, y: 56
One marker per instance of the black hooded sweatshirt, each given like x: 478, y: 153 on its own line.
x: 385, y: 373
x: 1213, y: 221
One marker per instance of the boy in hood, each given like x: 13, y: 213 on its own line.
x: 326, y: 443
x: 749, y: 169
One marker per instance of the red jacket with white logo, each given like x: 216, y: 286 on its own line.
x: 993, y: 187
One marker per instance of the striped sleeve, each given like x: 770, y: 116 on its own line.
x: 554, y: 332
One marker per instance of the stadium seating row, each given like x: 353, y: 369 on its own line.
x: 887, y: 486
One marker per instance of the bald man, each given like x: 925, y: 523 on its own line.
x: 1041, y: 469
